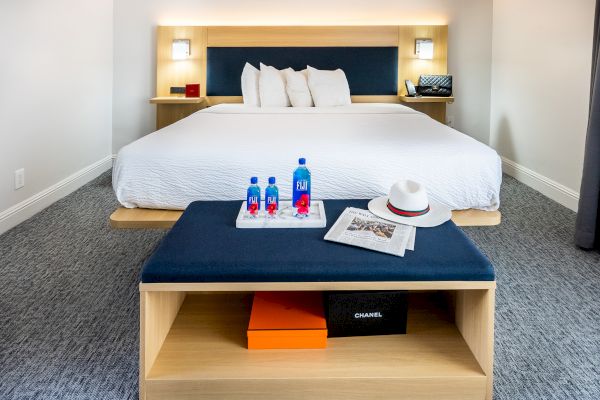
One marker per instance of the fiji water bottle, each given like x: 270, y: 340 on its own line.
x: 301, y: 190
x: 271, y: 198
x: 253, y: 198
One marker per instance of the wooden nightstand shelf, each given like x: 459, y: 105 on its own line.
x: 177, y: 100
x: 170, y: 109
x: 426, y: 99
x: 435, y: 107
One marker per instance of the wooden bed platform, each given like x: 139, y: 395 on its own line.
x: 142, y: 218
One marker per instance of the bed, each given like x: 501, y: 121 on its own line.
x: 354, y: 152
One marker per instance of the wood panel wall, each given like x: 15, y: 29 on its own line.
x: 409, y: 66
x: 178, y: 73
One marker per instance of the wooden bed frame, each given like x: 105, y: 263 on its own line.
x: 177, y: 73
x: 142, y: 218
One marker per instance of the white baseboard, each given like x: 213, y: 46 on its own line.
x: 548, y: 187
x: 36, y: 203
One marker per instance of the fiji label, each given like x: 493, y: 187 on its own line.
x: 302, y: 185
x: 253, y: 205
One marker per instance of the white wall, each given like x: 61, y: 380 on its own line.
x: 470, y: 63
x: 136, y: 20
x: 542, y: 54
x: 55, y: 97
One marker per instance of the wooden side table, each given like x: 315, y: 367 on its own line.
x: 172, y: 109
x: 435, y: 107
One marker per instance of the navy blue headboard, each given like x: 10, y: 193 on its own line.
x: 370, y: 70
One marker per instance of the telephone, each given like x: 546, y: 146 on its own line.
x: 410, y: 88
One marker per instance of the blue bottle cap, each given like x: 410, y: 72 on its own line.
x: 254, y: 180
x: 272, y: 180
x: 302, y: 161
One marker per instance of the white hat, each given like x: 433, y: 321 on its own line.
x: 408, y: 204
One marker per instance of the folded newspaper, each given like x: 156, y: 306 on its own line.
x: 361, y: 228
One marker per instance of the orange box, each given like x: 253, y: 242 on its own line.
x: 287, y: 320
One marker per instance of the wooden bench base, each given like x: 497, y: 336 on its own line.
x: 143, y: 218
x: 193, y: 346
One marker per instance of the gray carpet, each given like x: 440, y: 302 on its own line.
x: 69, y: 301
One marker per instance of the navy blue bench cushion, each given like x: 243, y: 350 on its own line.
x: 205, y: 246
x: 370, y: 70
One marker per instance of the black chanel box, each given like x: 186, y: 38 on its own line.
x: 366, y: 313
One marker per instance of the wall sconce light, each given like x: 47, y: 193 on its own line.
x: 424, y: 49
x: 181, y: 49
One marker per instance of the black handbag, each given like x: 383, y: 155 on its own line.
x: 435, y: 85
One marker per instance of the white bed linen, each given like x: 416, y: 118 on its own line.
x: 355, y: 151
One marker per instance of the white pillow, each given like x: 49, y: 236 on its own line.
x: 296, y: 86
x: 250, y: 76
x: 271, y: 87
x: 328, y: 88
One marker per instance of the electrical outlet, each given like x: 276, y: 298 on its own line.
x: 450, y: 121
x: 19, y: 178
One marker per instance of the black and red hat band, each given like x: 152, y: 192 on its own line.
x: 406, y: 213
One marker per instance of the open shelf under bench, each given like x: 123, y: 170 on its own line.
x: 204, y: 356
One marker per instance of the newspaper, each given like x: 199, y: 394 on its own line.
x: 361, y: 228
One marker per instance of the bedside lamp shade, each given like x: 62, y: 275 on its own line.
x: 180, y: 49
x: 424, y: 49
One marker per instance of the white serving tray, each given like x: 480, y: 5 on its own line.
x: 285, y: 219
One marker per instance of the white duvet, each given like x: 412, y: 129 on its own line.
x: 354, y: 152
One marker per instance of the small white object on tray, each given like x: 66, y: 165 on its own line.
x: 284, y: 219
